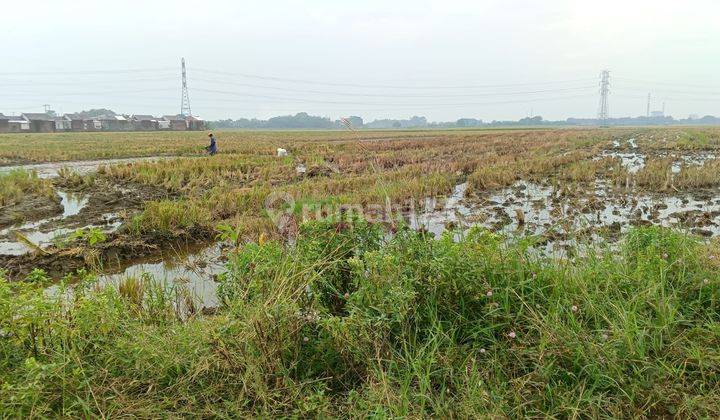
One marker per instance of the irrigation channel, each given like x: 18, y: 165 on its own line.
x: 558, y: 226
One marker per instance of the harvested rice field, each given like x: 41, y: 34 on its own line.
x: 559, y: 189
x: 538, y: 272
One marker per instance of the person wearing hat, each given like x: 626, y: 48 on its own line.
x: 212, y: 148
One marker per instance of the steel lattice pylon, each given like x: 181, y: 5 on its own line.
x: 185, y: 101
x: 604, y: 91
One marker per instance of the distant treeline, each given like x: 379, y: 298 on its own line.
x: 304, y: 120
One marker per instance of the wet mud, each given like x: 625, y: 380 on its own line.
x: 31, y: 208
x: 120, y: 249
x: 561, y: 214
x: 51, y: 237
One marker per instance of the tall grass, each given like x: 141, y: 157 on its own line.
x: 170, y: 218
x: 655, y: 175
x: 351, y: 323
x: 699, y: 176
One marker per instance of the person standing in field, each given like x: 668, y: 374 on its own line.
x: 212, y: 148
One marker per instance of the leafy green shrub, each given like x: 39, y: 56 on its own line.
x: 91, y: 236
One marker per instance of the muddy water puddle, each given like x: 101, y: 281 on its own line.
x: 528, y: 208
x: 453, y: 212
x: 42, y: 233
x: 82, y: 167
x: 72, y: 203
x: 188, y: 273
x: 634, y: 161
x: 193, y: 271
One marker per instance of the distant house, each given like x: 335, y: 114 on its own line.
x: 40, y: 123
x: 62, y: 123
x: 177, y: 122
x: 194, y: 123
x: 18, y: 124
x: 4, y: 124
x: 49, y: 122
x: 77, y: 123
x: 144, y: 123
x: 114, y: 123
x: 163, y: 124
x: 181, y: 123
x: 92, y: 124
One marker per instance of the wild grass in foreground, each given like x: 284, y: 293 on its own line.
x: 349, y: 322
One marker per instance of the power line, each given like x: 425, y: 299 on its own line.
x: 85, y: 82
x: 392, y: 107
x: 666, y: 98
x: 670, y: 98
x: 650, y: 83
x: 85, y: 72
x: 385, y: 95
x: 370, y: 86
x: 93, y: 93
x: 676, y: 92
x: 536, y: 91
x: 303, y: 100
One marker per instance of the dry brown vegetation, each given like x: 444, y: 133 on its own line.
x: 707, y: 175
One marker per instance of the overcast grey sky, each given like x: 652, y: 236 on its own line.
x: 442, y: 59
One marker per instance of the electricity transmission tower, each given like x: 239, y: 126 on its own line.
x: 604, y: 91
x: 185, y: 101
x: 648, y: 106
